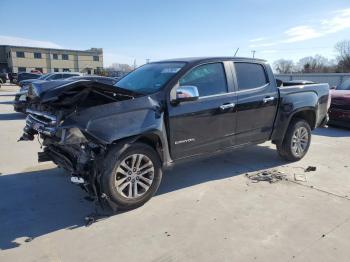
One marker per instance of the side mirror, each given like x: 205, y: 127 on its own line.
x: 186, y: 93
x: 333, y: 87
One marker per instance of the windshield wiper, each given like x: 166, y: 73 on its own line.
x: 129, y: 91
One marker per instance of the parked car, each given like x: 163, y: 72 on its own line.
x: 339, y: 111
x: 25, y: 76
x: 48, y: 77
x: 13, y: 77
x: 3, y: 78
x: 20, y: 103
x: 36, y: 71
x: 116, y: 140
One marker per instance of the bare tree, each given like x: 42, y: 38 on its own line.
x: 315, y: 64
x: 283, y: 66
x: 343, y: 50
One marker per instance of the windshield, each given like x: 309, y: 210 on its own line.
x: 43, y: 77
x: 150, y: 78
x: 345, y: 85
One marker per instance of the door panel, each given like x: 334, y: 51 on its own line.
x: 207, y: 124
x: 202, y: 126
x: 257, y: 100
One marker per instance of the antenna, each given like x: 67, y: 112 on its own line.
x: 236, y: 51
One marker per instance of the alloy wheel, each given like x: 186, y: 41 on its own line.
x: 300, y: 141
x: 134, y: 176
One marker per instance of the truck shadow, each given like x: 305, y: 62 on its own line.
x: 37, y: 203
x: 12, y: 116
x: 40, y: 202
x: 230, y: 164
x: 332, y: 131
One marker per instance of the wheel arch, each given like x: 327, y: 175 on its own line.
x: 306, y: 113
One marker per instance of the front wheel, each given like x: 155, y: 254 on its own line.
x: 296, y: 142
x: 131, y: 177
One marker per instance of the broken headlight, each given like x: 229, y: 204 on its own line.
x: 72, y: 136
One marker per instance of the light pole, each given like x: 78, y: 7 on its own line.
x: 253, y: 52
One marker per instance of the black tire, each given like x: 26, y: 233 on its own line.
x: 114, y: 158
x: 285, y: 150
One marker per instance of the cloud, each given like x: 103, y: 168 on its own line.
x: 339, y: 22
x: 269, y: 51
x: 263, y: 45
x: 301, y: 33
x: 18, y: 41
x: 259, y: 39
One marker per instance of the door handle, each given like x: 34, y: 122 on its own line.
x: 268, y: 99
x: 227, y: 106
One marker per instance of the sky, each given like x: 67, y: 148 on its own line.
x: 161, y: 29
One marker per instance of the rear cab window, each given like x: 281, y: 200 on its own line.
x: 250, y: 75
x: 210, y: 79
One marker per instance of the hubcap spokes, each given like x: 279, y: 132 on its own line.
x: 300, y: 140
x: 134, y: 176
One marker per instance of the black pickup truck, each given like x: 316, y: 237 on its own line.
x: 116, y: 140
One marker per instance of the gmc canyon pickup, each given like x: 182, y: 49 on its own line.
x: 116, y: 140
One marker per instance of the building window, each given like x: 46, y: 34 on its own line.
x: 56, y: 70
x: 65, y: 69
x: 9, y: 55
x: 96, y: 58
x: 55, y: 56
x: 20, y: 54
x: 64, y: 57
x: 39, y: 69
x: 37, y: 55
x: 21, y: 69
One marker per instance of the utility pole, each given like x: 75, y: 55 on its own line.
x: 134, y: 64
x: 147, y: 61
x: 253, y: 52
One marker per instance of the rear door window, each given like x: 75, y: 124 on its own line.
x: 250, y: 75
x: 210, y: 79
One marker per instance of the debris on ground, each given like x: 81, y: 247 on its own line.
x: 94, y: 217
x: 310, y: 169
x: 29, y: 239
x: 270, y: 176
x: 300, y: 177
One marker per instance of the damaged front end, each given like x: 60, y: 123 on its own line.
x: 77, y: 122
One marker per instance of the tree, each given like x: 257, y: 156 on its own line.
x: 315, y: 64
x: 343, y: 50
x: 283, y: 66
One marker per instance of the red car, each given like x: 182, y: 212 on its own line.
x: 339, y: 112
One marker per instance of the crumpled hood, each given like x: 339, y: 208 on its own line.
x: 47, y: 91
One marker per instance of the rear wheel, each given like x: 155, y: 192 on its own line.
x: 296, y: 142
x: 131, y: 177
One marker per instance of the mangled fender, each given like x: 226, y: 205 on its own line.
x: 110, y: 122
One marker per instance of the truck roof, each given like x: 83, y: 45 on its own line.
x: 207, y: 59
